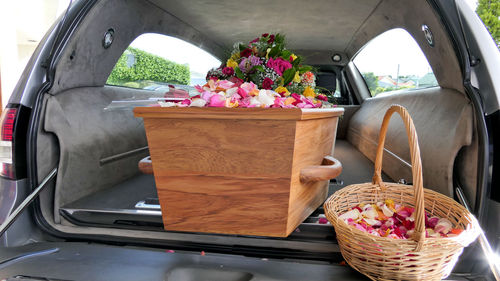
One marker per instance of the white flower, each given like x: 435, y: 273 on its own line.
x: 198, y: 103
x: 369, y: 212
x: 352, y: 214
x: 167, y: 104
x: 255, y: 101
x: 443, y: 226
x: 387, y: 212
x: 373, y: 222
x: 231, y: 91
x: 266, y: 97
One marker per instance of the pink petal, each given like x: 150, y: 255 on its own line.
x: 322, y: 221
x: 217, y: 101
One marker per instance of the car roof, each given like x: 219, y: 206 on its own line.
x: 306, y: 24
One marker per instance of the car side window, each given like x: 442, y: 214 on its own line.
x: 155, y: 61
x: 393, y: 61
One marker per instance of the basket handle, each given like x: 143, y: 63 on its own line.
x: 416, y: 167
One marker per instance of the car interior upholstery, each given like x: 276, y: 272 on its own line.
x: 97, y: 150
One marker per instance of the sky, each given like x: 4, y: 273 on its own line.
x: 389, y: 50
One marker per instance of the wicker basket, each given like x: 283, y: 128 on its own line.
x: 418, y: 258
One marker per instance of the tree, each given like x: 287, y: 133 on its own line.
x: 371, y: 81
x: 489, y: 12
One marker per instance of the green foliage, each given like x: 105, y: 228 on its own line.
x: 239, y: 73
x: 288, y: 76
x: 147, y: 66
x: 489, y: 12
x: 371, y: 81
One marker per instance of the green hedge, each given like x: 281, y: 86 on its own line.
x: 148, y: 67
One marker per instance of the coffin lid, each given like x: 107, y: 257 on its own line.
x: 237, y: 113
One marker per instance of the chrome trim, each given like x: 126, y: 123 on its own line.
x: 142, y: 205
x: 72, y: 211
x: 12, y: 217
x: 120, y: 156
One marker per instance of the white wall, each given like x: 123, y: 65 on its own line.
x: 23, y: 23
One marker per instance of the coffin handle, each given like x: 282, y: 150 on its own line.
x: 146, y: 166
x: 330, y: 168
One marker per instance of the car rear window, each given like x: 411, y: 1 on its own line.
x: 156, y: 62
x: 394, y: 61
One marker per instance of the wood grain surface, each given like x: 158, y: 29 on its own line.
x: 231, y: 175
x: 255, y: 113
x: 314, y: 139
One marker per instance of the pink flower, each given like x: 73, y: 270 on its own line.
x: 228, y: 71
x: 217, y: 101
x: 248, y: 87
x: 298, y: 100
x: 278, y: 102
x: 225, y: 84
x: 206, y: 95
x: 242, y: 93
x: 237, y: 81
x: 245, y: 102
x: 186, y: 102
x: 267, y: 83
x: 271, y: 39
x: 443, y: 226
x: 304, y: 105
x: 431, y: 223
x: 246, y: 53
x: 199, y: 88
x: 322, y: 221
x: 279, y: 65
x: 322, y: 97
x: 247, y: 64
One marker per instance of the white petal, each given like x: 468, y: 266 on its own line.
x: 231, y: 91
x: 167, y: 104
x: 387, y: 212
x: 352, y: 214
x: 198, y: 103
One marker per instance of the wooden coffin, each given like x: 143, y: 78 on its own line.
x: 248, y: 171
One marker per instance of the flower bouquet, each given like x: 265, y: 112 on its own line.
x: 262, y: 73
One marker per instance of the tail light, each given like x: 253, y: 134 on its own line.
x: 7, y: 121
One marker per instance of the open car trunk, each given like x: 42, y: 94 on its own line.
x: 100, y: 195
x: 99, y: 189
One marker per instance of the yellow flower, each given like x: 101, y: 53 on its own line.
x: 231, y: 63
x: 296, y: 78
x: 267, y: 53
x: 309, y: 93
x: 293, y: 57
x: 282, y: 90
x: 254, y: 92
x: 235, y: 56
x: 228, y: 103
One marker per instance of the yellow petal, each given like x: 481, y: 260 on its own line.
x: 309, y: 92
x: 296, y: 78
